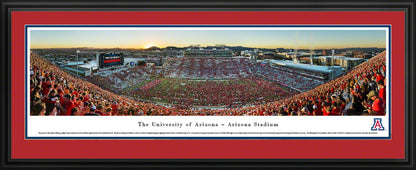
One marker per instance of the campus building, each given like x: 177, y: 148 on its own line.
x: 345, y: 62
x: 320, y: 72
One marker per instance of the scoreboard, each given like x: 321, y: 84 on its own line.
x: 105, y: 60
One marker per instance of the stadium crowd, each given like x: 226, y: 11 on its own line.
x: 55, y: 92
x: 202, y: 68
x: 361, y: 91
x: 289, y: 78
x: 116, y: 81
x: 207, y: 68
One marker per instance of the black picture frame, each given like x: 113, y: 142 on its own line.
x: 229, y: 5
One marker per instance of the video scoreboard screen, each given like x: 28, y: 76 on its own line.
x: 106, y: 60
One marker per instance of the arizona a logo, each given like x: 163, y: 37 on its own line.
x: 377, y: 124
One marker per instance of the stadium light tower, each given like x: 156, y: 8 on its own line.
x: 312, y: 52
x: 333, y: 62
x: 333, y: 51
x: 77, y: 62
x: 295, y: 60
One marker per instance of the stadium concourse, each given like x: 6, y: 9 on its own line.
x: 361, y: 91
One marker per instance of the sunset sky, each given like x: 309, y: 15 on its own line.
x: 307, y: 39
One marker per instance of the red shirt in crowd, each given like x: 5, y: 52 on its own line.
x: 45, y: 87
x: 318, y: 112
x: 380, y: 78
x: 382, y: 93
x: 86, y: 98
x: 68, y: 106
x: 378, y: 106
x: 324, y: 112
x: 114, y: 107
x: 75, y: 93
x: 335, y: 111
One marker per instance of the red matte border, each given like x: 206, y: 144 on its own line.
x: 209, y: 149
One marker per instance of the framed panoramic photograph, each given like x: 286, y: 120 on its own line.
x: 231, y: 84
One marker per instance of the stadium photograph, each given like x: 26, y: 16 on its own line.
x: 218, y: 71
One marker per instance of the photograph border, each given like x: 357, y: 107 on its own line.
x: 407, y: 6
x: 218, y: 26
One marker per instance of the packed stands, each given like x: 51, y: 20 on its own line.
x: 207, y: 68
x: 289, y: 78
x: 361, y: 91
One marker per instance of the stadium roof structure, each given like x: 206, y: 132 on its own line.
x: 325, y: 69
x: 240, y: 57
x: 341, y: 57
